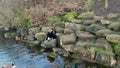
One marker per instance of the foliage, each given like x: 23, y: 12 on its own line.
x: 99, y: 48
x: 117, y: 49
x: 25, y: 22
x: 70, y: 15
x: 53, y: 19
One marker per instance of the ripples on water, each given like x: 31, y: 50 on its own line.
x: 21, y: 56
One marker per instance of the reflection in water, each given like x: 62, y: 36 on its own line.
x: 22, y: 58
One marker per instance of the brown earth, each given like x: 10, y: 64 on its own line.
x: 113, y: 7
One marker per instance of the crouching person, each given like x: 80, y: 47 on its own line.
x: 50, y: 41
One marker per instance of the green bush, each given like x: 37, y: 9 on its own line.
x: 70, y: 15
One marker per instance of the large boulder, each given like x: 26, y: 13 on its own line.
x: 98, y: 18
x: 83, y: 35
x: 59, y: 29
x: 9, y: 35
x: 84, y: 44
x: 69, y: 47
x: 104, y: 32
x: 40, y: 36
x: 29, y: 37
x: 114, y: 38
x: 88, y: 22
x: 48, y: 44
x: 45, y: 29
x: 112, y: 16
x: 86, y: 15
x: 68, y: 31
x: 34, y: 43
x: 74, y: 26
x: 94, y: 27
x: 105, y: 22
x: 117, y: 50
x: 103, y: 43
x: 33, y: 30
x: 115, y: 26
x: 105, y: 58
x: 67, y: 39
x: 76, y: 21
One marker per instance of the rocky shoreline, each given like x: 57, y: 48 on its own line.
x: 87, y: 37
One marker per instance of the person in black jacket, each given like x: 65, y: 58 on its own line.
x: 51, y: 34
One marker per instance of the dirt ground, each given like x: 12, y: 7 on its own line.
x: 113, y: 7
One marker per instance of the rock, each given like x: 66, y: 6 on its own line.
x: 34, y: 30
x: 76, y: 21
x: 115, y: 26
x: 74, y: 26
x: 117, y: 50
x: 48, y: 44
x: 69, y: 47
x: 34, y: 42
x: 105, y: 22
x: 104, y: 32
x: 94, y: 27
x: 40, y: 36
x: 98, y: 18
x: 86, y: 15
x: 45, y: 29
x: 9, y: 35
x: 56, y: 50
x: 60, y: 24
x: 114, y: 38
x: 88, y: 22
x: 84, y: 44
x: 52, y: 54
x: 70, y: 15
x: 103, y: 43
x: 68, y: 31
x: 105, y: 58
x: 67, y: 39
x: 29, y: 37
x: 112, y: 16
x: 82, y: 35
x: 59, y: 29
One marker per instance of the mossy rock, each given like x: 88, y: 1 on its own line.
x: 93, y: 28
x: 70, y: 15
x: 114, y: 38
x: 60, y: 24
x: 115, y: 26
x: 52, y: 54
x: 98, y: 18
x: 86, y: 15
x: 33, y: 30
x: 9, y: 35
x: 74, y: 27
x: 105, y: 58
x: 88, y: 22
x: 76, y: 21
x: 117, y: 50
x: 103, y: 44
x: 112, y: 16
x: 105, y: 22
x: 40, y: 36
x: 104, y: 32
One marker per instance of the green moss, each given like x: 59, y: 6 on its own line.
x: 70, y: 15
x: 99, y: 48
